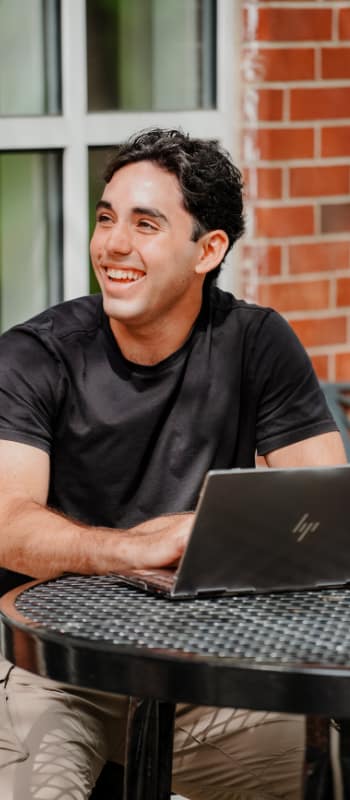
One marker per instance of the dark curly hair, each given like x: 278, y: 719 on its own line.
x: 211, y: 185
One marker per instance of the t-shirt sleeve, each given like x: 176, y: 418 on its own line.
x: 290, y: 403
x: 29, y: 379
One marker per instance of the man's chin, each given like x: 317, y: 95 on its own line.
x: 122, y: 310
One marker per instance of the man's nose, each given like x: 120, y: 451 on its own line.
x: 119, y: 239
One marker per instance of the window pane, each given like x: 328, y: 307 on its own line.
x: 29, y: 57
x: 151, y: 54
x: 30, y: 234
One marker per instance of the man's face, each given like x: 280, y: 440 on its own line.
x: 141, y: 249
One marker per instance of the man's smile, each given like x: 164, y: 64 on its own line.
x: 125, y: 275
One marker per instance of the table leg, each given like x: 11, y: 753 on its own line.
x: 149, y: 750
x: 318, y: 783
x: 343, y: 726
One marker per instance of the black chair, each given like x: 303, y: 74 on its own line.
x: 338, y: 400
x: 318, y: 768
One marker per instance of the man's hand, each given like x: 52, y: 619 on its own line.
x: 156, y: 543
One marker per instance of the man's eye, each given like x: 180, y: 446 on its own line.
x: 103, y: 218
x: 144, y: 223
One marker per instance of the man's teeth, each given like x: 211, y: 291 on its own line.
x: 124, y: 274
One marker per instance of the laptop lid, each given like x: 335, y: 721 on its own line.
x: 259, y: 530
x: 262, y: 530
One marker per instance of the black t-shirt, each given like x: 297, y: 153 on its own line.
x: 129, y: 442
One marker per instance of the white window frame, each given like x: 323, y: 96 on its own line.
x: 76, y: 130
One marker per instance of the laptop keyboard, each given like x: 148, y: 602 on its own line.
x: 162, y: 579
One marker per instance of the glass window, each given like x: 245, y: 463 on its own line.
x: 30, y: 234
x: 29, y: 57
x: 157, y: 55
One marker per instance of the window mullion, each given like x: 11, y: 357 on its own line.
x: 75, y: 163
x: 228, y: 32
x: 228, y: 87
x: 104, y: 130
x: 32, y: 133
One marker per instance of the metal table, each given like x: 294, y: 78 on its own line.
x: 282, y: 652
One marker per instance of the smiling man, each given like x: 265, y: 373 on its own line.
x: 112, y: 409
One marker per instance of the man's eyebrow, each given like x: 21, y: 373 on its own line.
x: 140, y: 210
x: 104, y: 204
x: 150, y: 212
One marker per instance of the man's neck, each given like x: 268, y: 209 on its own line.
x: 150, y: 344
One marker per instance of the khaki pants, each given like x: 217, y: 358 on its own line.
x: 54, y: 740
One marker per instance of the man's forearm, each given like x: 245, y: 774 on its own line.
x: 40, y: 542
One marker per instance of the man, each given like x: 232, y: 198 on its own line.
x: 111, y: 413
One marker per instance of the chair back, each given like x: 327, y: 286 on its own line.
x: 338, y: 400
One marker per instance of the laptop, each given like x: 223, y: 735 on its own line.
x: 262, y: 530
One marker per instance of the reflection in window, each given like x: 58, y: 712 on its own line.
x: 29, y: 57
x: 151, y: 54
x: 30, y: 234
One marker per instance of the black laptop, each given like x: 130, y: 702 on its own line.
x: 262, y: 530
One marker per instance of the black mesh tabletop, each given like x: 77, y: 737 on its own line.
x: 286, y: 651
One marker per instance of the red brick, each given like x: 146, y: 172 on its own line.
x: 295, y: 295
x: 265, y: 258
x: 284, y: 221
x: 269, y: 183
x: 314, y: 181
x: 330, y: 103
x: 335, y: 218
x: 293, y: 24
x: 343, y: 292
x: 342, y: 367
x: 336, y: 62
x: 320, y: 331
x: 335, y: 141
x: 284, y: 143
x: 270, y: 105
x: 246, y: 174
x: 317, y: 257
x: 264, y: 183
x: 321, y: 367
x: 246, y: 34
x: 344, y: 23
x: 287, y: 64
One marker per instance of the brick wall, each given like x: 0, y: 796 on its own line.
x: 296, y: 159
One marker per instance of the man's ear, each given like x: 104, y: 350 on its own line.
x: 214, y: 245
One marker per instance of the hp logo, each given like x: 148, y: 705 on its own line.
x: 305, y: 526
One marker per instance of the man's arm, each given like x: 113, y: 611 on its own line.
x: 324, y: 450
x: 40, y: 542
